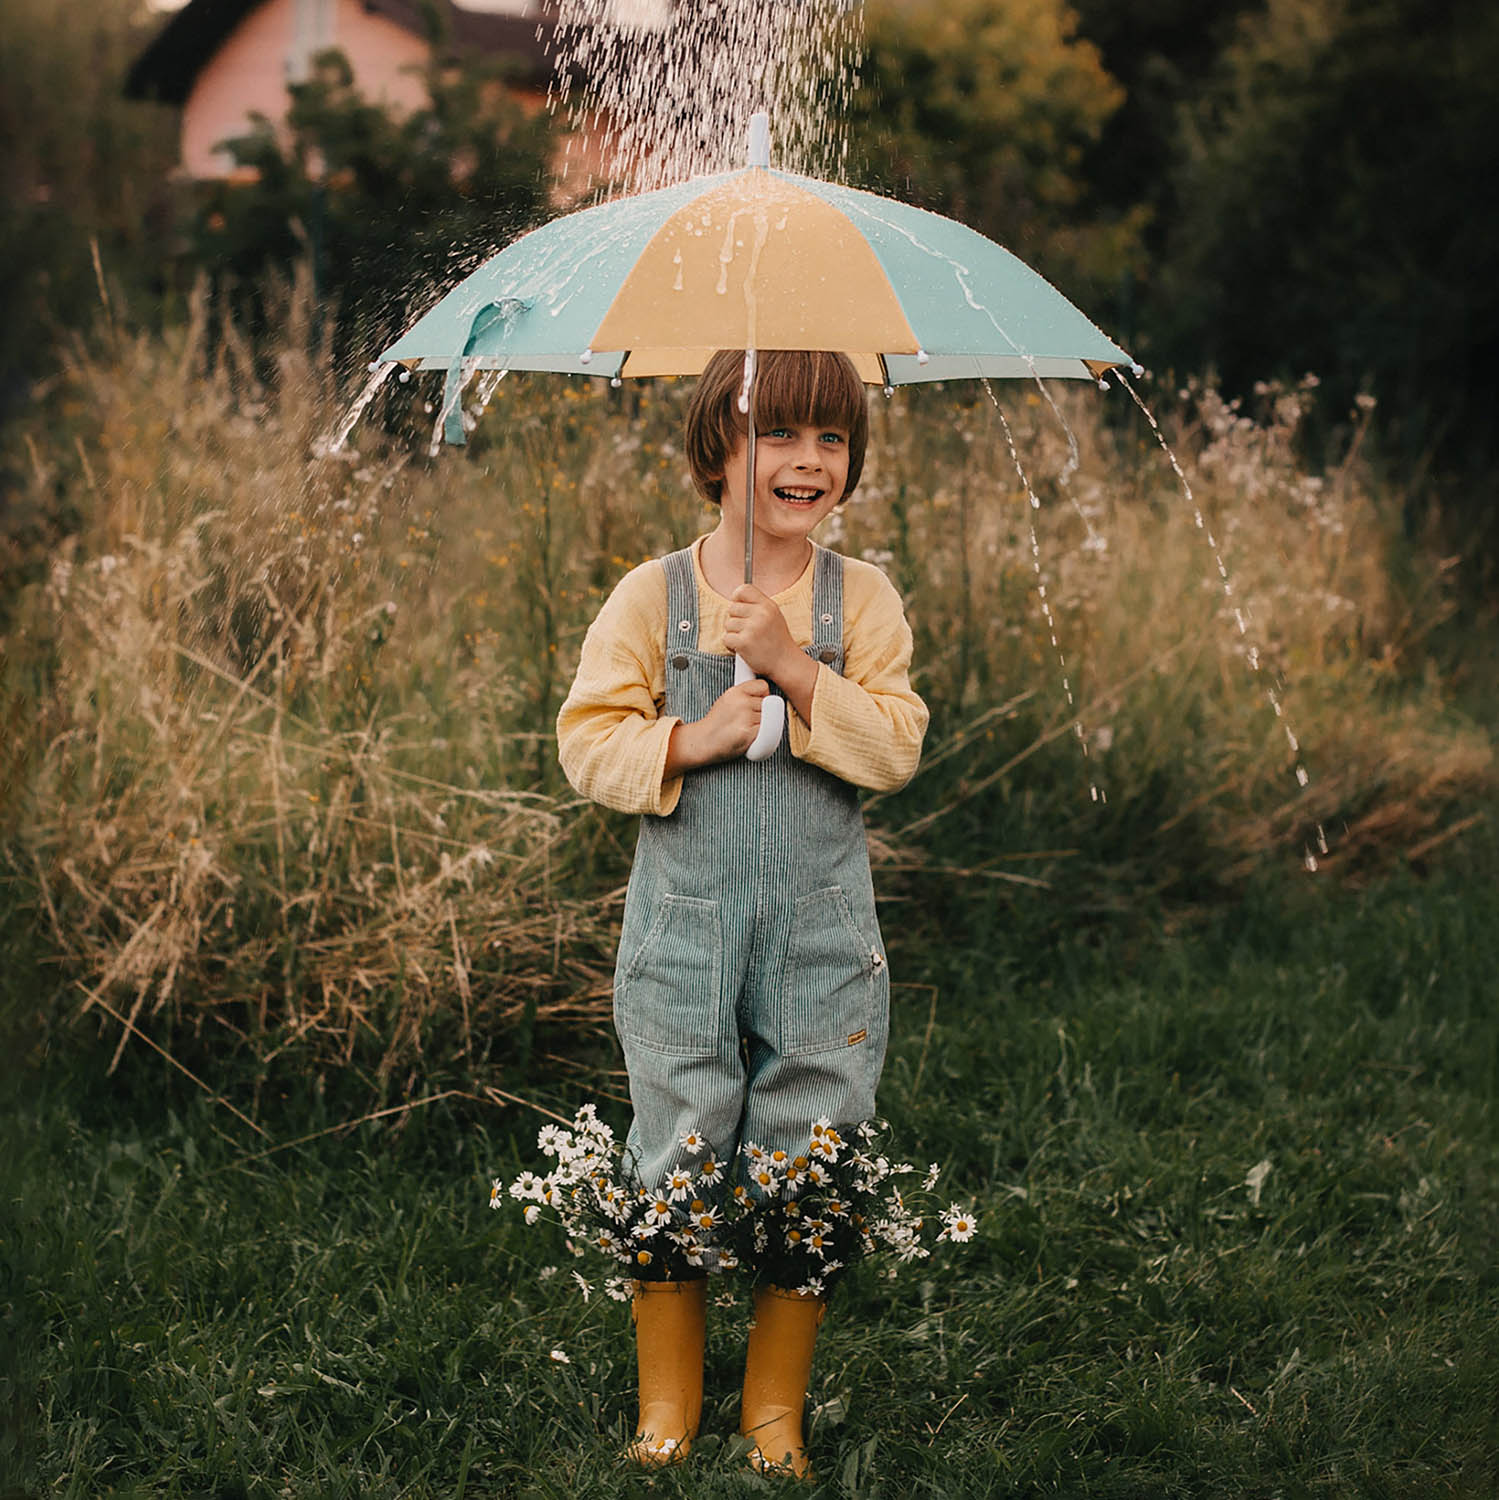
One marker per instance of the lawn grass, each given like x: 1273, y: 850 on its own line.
x: 348, y: 1318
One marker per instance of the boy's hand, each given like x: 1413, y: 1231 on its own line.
x: 756, y: 630
x: 726, y: 731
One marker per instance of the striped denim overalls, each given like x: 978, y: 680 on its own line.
x: 750, y: 915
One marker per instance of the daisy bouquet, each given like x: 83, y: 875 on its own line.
x: 794, y: 1221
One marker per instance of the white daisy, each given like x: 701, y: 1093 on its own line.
x: 961, y: 1225
x: 678, y: 1184
x: 765, y: 1178
x: 528, y: 1185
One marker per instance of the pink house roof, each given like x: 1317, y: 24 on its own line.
x: 172, y: 61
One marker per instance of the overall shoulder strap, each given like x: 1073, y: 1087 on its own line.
x: 827, y: 604
x: 681, y: 601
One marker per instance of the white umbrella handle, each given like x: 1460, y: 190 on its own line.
x: 772, y: 715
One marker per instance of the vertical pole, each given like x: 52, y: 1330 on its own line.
x: 747, y: 405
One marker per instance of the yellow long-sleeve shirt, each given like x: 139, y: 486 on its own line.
x: 612, y: 732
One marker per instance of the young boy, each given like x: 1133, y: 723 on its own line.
x: 751, y: 994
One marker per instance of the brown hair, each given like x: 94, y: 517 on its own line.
x: 792, y: 387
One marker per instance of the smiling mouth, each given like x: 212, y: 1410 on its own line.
x: 797, y: 496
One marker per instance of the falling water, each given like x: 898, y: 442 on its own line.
x: 340, y: 436
x: 1241, y: 616
x: 665, y: 92
x: 1094, y: 789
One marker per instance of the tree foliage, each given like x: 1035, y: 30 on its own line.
x: 83, y: 176
x: 389, y: 208
x: 1334, y: 213
x: 986, y: 110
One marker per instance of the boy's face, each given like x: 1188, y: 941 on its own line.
x: 800, y: 475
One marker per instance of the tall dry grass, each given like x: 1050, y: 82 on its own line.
x: 279, y: 776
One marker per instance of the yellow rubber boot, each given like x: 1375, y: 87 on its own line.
x: 670, y: 1326
x: 777, y: 1366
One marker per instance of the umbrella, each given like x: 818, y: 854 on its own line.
x: 755, y: 259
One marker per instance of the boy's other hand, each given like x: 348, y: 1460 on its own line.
x: 756, y: 630
x: 726, y: 731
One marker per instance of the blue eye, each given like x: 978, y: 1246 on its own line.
x: 834, y: 437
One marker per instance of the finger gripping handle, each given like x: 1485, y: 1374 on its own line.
x: 772, y: 716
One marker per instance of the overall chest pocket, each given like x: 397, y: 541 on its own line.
x: 667, y: 995
x: 836, y: 983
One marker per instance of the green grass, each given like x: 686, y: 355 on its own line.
x: 347, y: 1317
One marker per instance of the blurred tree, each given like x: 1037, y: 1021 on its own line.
x: 1163, y: 52
x: 83, y: 171
x: 986, y: 110
x: 389, y: 209
x: 1331, y: 215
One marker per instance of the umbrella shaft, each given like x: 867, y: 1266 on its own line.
x: 751, y: 370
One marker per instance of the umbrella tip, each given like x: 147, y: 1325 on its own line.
x: 759, y: 139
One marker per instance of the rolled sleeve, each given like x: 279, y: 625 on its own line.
x: 612, y: 737
x: 867, y: 724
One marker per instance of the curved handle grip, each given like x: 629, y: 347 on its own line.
x: 772, y: 716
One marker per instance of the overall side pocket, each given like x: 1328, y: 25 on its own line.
x: 835, y: 975
x: 666, y: 996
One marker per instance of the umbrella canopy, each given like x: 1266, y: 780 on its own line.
x: 757, y: 259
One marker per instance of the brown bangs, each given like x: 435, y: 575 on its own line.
x: 793, y: 387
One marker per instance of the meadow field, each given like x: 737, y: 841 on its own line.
x: 302, y: 937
